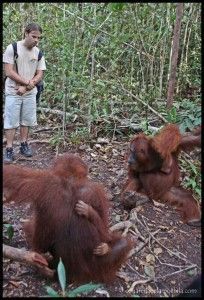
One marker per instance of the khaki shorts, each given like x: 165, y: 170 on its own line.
x: 20, y: 110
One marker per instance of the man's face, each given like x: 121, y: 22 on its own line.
x: 32, y: 38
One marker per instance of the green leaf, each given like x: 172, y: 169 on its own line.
x: 61, y: 275
x: 193, y: 168
x: 192, y: 183
x: 192, y: 272
x: 117, y: 6
x: 83, y: 289
x: 51, y: 292
x: 10, y: 230
x: 198, y: 191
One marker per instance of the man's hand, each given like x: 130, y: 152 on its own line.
x: 21, y: 90
x: 30, y: 85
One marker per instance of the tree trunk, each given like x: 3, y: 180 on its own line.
x: 174, y: 57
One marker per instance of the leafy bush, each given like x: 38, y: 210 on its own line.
x: 186, y: 113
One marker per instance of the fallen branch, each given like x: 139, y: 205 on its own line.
x: 39, y: 141
x: 47, y: 129
x: 176, y: 272
x: 29, y: 257
x: 120, y: 226
x: 131, y: 289
x: 54, y: 111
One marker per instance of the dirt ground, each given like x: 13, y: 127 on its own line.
x: 167, y: 253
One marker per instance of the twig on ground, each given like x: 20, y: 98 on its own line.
x: 142, y: 245
x: 131, y: 289
x: 122, y: 225
x: 176, y: 272
x: 47, y: 129
x: 177, y: 254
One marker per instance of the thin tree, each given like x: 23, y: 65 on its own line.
x: 174, y: 56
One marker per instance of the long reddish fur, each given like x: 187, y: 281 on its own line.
x: 153, y: 170
x: 56, y: 226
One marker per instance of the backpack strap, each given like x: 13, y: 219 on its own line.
x: 40, y: 54
x: 15, y: 50
x: 15, y: 54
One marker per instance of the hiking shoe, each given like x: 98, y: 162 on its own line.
x: 9, y: 155
x: 25, y: 150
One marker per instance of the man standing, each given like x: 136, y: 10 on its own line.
x: 20, y: 89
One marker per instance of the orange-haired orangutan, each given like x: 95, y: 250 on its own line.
x: 153, y: 171
x: 70, y: 218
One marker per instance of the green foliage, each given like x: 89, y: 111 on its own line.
x: 187, y: 114
x: 51, y: 292
x: 172, y: 116
x: 78, y: 136
x: 9, y: 230
x: 94, y: 45
x: 190, y: 114
x: 144, y: 127
x: 193, y: 180
x: 61, y: 276
x: 86, y: 288
x: 83, y: 289
x: 57, y: 140
x: 117, y: 6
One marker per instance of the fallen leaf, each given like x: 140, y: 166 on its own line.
x: 103, y: 141
x: 149, y: 271
x: 158, y: 203
x: 139, y: 208
x: 117, y: 218
x: 115, y: 152
x: 14, y: 283
x: 158, y: 250
x: 150, y: 258
x: 120, y: 173
x: 192, y: 272
x: 102, y: 292
x: 163, y: 227
x: 97, y: 146
x: 141, y: 262
x: 150, y: 289
x: 157, y: 209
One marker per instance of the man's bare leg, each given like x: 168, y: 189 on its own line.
x: 10, y: 134
x: 24, y: 133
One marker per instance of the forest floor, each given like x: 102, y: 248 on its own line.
x: 167, y: 255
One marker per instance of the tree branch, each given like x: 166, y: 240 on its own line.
x: 29, y: 257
